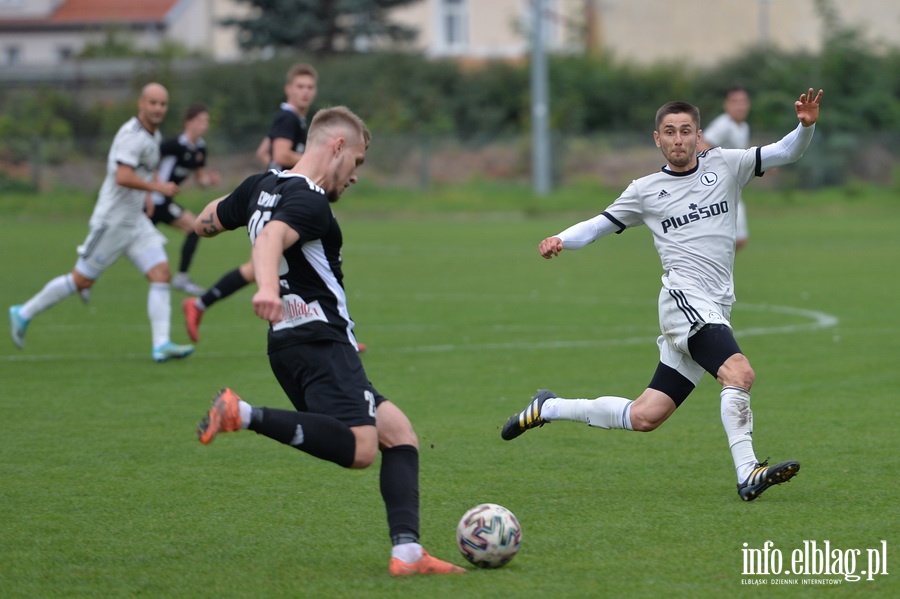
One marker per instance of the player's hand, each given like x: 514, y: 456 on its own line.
x: 808, y: 107
x: 550, y: 247
x: 267, y: 305
x: 212, y: 179
x: 167, y: 188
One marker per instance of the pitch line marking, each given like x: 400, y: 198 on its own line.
x: 817, y: 321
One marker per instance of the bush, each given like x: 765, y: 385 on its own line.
x: 33, y: 126
x: 475, y: 103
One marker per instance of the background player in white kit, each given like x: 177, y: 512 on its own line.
x: 730, y: 130
x: 119, y: 226
x: 689, y: 207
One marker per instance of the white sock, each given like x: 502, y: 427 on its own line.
x: 246, y: 412
x: 609, y: 411
x: 407, y: 552
x: 159, y: 309
x: 737, y: 418
x: 53, y: 292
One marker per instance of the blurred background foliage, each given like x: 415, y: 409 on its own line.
x: 477, y: 103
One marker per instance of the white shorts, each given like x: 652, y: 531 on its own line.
x: 142, y: 243
x: 683, y: 312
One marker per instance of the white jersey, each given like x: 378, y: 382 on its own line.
x: 725, y: 132
x: 136, y: 147
x: 692, y: 214
x: 692, y: 217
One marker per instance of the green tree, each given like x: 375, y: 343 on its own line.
x: 320, y: 26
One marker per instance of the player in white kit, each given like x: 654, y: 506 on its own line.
x: 730, y: 130
x: 118, y: 226
x: 689, y: 206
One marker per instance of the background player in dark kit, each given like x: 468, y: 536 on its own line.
x: 179, y: 157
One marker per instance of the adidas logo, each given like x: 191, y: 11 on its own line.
x: 663, y: 194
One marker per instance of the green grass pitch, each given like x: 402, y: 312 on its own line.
x: 107, y: 493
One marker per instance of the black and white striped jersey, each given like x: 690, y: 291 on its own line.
x: 312, y: 288
x: 178, y: 159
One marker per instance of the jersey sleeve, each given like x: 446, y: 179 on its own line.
x: 284, y: 125
x: 745, y: 164
x: 169, y: 147
x: 128, y: 149
x: 233, y: 210
x: 627, y: 210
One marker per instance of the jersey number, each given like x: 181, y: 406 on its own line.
x: 256, y: 223
x: 370, y: 399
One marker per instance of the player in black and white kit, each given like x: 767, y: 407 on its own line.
x: 689, y: 206
x: 118, y: 226
x: 340, y: 416
x: 282, y: 147
x: 179, y: 157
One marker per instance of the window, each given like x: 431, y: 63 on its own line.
x: 65, y: 53
x: 453, y: 26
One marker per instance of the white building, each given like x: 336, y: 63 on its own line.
x: 702, y: 32
x: 51, y: 32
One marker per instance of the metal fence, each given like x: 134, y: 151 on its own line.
x: 421, y: 161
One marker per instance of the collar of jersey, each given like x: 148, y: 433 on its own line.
x: 682, y: 173
x: 183, y: 139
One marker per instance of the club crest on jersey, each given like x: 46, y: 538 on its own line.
x: 697, y: 213
x: 709, y: 179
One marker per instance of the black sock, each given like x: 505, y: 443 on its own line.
x: 400, y: 491
x: 318, y: 435
x: 230, y: 283
x: 187, y: 251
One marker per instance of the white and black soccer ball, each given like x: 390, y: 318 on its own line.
x: 488, y: 535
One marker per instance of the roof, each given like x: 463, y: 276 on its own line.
x: 116, y: 11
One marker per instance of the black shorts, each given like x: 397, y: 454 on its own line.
x: 327, y: 377
x: 167, y: 212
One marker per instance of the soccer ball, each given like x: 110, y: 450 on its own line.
x: 488, y: 535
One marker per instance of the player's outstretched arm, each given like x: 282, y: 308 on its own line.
x: 807, y: 108
x: 792, y: 146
